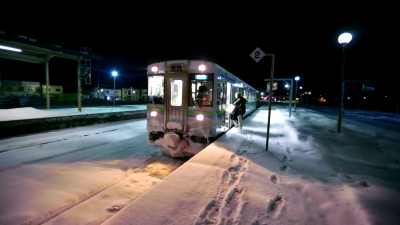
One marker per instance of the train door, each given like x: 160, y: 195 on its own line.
x: 176, y: 105
x: 221, y: 95
x: 228, y: 101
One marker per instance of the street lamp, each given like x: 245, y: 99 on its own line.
x: 343, y: 39
x: 114, y: 73
x: 287, y: 87
x: 307, y: 93
x: 300, y: 93
x: 295, y: 93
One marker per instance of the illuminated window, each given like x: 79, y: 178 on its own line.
x: 176, y: 92
x: 201, y: 93
x: 156, y: 90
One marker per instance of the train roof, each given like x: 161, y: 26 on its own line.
x: 228, y: 74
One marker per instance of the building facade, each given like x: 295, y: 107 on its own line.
x: 10, y: 88
x: 119, y: 94
x: 53, y: 89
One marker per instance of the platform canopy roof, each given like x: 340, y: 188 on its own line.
x: 36, y: 51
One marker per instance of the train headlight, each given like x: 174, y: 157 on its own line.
x: 154, y: 69
x: 153, y: 113
x: 200, y: 117
x: 202, y: 67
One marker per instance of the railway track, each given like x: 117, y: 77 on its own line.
x: 148, y: 169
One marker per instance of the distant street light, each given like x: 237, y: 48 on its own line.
x: 295, y: 93
x: 300, y: 94
x: 343, y: 39
x: 307, y: 93
x: 114, y: 73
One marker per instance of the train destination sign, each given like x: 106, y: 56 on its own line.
x: 201, y: 77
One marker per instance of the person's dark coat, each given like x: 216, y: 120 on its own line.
x: 240, y: 104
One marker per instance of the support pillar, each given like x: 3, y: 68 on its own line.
x: 79, y: 85
x: 47, y: 84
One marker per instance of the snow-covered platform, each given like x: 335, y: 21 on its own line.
x: 310, y: 175
x: 29, y: 120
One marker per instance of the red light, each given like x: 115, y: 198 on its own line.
x: 204, y: 98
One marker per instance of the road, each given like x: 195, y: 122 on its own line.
x: 83, y: 174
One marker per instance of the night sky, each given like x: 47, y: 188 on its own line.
x: 304, y: 39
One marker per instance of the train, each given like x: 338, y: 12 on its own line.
x: 186, y: 104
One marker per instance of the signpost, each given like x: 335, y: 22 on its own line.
x: 340, y: 112
x: 274, y: 86
x: 290, y: 94
x: 257, y: 55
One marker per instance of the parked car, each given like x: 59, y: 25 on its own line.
x: 24, y: 101
x: 7, y: 101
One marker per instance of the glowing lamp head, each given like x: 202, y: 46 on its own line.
x: 286, y: 85
x: 114, y: 73
x: 10, y: 48
x: 153, y: 113
x: 202, y: 67
x: 200, y: 117
x: 344, y: 38
x: 154, y: 69
x: 297, y: 78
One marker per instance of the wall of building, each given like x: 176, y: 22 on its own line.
x: 10, y: 88
x: 120, y: 94
x: 53, y: 89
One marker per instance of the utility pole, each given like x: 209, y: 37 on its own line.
x: 98, y: 87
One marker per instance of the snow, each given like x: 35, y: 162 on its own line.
x: 33, y: 113
x: 174, y: 146
x: 92, y: 171
x: 310, y: 175
x: 174, y: 125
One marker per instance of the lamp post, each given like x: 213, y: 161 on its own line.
x: 287, y: 87
x: 343, y: 39
x: 307, y: 93
x: 295, y: 93
x: 300, y: 93
x: 114, y: 73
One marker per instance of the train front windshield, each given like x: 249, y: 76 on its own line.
x: 156, y: 89
x: 201, y: 93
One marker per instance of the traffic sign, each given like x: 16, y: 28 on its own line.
x: 274, y: 86
x: 257, y: 54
